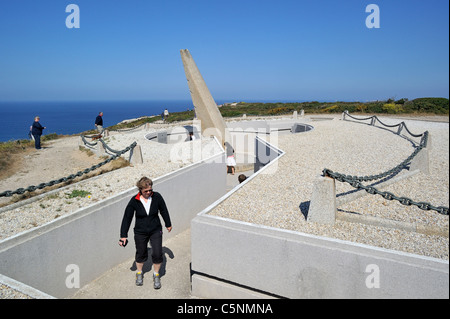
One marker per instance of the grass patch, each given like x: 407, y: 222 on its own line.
x: 78, y: 193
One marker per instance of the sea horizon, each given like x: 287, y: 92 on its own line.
x: 74, y: 117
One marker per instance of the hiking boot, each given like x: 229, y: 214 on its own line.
x: 156, y: 281
x: 139, y: 279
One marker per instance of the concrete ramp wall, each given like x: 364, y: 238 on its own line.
x: 84, y: 244
x: 229, y: 255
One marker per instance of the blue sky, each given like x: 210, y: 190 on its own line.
x: 246, y: 50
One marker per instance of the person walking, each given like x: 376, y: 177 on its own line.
x: 231, y: 162
x: 145, y: 207
x: 99, y: 122
x: 36, y: 131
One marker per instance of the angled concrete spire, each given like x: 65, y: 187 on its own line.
x: 206, y: 108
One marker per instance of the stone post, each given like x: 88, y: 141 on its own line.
x: 322, y: 208
x: 136, y: 157
x: 100, y: 151
x: 422, y: 160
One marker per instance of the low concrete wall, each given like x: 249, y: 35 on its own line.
x: 84, y: 244
x: 296, y: 265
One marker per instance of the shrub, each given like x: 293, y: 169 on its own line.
x: 331, y: 109
x: 393, y: 108
x: 430, y: 105
x: 361, y: 108
x: 279, y: 110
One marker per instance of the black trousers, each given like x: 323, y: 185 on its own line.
x: 37, y: 141
x: 141, y: 242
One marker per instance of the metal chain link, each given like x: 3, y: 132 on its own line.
x: 355, y: 181
x: 386, y: 195
x: 68, y: 178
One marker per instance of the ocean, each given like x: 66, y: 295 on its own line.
x: 76, y: 117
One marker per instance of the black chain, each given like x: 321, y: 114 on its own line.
x: 386, y: 195
x: 355, y: 181
x: 70, y: 177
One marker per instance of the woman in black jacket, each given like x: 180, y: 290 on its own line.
x: 145, y: 206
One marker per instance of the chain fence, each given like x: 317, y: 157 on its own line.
x: 32, y: 188
x: 355, y: 181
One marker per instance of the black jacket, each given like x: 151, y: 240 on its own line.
x: 145, y: 224
x: 37, y: 128
x: 99, y: 120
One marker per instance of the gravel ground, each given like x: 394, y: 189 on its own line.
x: 7, y: 292
x: 281, y: 198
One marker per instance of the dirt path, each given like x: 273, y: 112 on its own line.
x: 57, y: 159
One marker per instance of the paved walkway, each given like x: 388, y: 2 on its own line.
x: 119, y: 282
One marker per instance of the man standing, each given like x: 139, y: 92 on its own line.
x: 145, y: 206
x: 99, y: 122
x: 36, y: 131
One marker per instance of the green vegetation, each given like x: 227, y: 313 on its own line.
x: 78, y: 193
x: 424, y: 106
x: 438, y: 106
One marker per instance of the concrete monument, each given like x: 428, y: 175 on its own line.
x: 212, y: 122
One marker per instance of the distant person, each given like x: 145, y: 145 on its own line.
x: 166, y: 114
x: 145, y: 206
x: 242, y: 178
x: 99, y: 122
x: 191, y: 137
x: 231, y: 162
x: 36, y: 130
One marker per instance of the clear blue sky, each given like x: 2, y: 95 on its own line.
x: 245, y: 49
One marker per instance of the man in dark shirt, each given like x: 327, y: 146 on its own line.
x: 99, y: 122
x: 36, y: 131
x: 145, y: 206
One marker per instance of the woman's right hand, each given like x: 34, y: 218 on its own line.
x: 122, y: 241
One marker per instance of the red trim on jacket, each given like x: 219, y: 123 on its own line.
x: 138, y: 196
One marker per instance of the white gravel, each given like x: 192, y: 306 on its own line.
x: 281, y: 199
